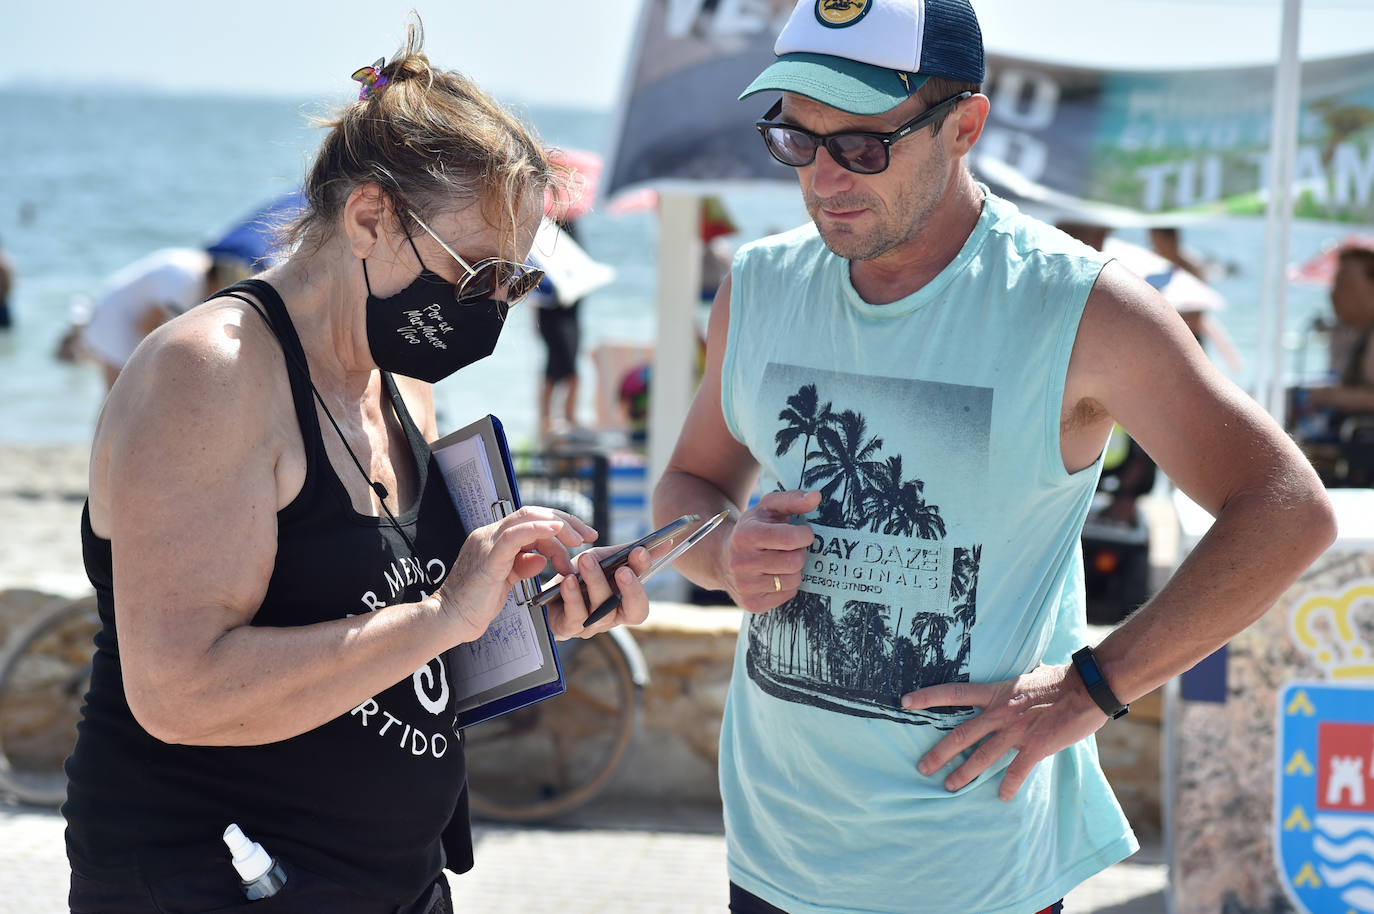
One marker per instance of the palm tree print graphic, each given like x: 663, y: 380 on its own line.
x: 804, y: 418
x: 898, y: 505
x: 858, y: 656
x: 847, y: 464
x: 872, y: 492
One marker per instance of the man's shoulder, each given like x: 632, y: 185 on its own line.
x: 1022, y: 235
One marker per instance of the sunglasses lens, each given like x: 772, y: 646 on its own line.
x: 490, y: 277
x: 790, y: 147
x: 859, y: 153
x: 481, y: 284
x: 524, y: 284
x: 863, y: 154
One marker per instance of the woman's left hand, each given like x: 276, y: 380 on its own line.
x: 568, y: 611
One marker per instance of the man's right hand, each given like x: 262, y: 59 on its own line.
x: 767, y: 552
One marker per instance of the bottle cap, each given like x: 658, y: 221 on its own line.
x: 250, y: 859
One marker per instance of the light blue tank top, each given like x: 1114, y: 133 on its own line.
x: 946, y: 549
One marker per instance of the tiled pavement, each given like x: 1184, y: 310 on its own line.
x: 625, y: 860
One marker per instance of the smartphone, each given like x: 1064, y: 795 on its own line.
x: 622, y: 555
x: 613, y: 601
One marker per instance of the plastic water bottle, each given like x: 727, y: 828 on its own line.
x: 262, y: 876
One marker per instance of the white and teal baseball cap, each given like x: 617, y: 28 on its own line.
x: 868, y: 56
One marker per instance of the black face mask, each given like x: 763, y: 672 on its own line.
x: 422, y: 332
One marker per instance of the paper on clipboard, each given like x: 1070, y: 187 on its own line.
x: 507, y: 648
x: 515, y: 661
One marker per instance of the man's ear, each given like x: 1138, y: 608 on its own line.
x: 970, y: 116
x: 364, y: 214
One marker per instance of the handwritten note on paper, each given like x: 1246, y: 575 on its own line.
x: 508, y: 648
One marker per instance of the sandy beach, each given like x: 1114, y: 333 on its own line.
x: 42, y: 489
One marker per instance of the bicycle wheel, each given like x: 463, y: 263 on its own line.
x: 550, y: 758
x: 45, y: 671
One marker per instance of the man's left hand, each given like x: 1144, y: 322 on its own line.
x: 1035, y: 715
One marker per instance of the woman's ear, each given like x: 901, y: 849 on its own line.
x: 364, y: 213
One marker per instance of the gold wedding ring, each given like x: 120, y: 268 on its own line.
x: 777, y: 584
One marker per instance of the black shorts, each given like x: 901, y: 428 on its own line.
x: 558, y: 327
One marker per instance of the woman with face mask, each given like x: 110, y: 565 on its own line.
x: 281, y: 574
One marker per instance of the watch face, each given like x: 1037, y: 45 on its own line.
x: 1086, y: 664
x: 1087, y: 667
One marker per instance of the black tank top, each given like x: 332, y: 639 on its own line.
x: 363, y: 799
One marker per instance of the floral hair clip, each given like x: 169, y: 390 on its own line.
x: 371, y: 78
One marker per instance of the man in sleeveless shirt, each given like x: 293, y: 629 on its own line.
x: 921, y: 381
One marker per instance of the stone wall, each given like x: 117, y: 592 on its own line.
x: 690, y: 651
x: 17, y: 606
x: 43, y: 692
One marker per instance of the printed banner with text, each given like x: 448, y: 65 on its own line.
x: 1083, y: 140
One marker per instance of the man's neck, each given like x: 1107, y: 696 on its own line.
x: 908, y: 267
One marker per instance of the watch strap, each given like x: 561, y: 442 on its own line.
x: 1096, y: 684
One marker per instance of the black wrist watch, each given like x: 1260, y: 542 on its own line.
x: 1086, y: 664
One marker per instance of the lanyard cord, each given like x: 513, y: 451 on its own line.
x: 305, y: 373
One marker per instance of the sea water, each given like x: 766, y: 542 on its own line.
x: 93, y: 180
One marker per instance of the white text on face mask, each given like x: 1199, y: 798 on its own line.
x: 419, y: 328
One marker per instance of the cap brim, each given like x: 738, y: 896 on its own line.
x: 858, y: 88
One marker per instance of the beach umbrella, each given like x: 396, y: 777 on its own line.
x: 575, y: 199
x: 1321, y: 269
x: 634, y: 201
x: 253, y: 239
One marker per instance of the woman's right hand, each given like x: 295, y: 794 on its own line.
x: 496, y: 557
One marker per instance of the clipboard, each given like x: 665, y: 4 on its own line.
x: 515, y: 662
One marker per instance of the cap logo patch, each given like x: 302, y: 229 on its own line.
x: 837, y: 14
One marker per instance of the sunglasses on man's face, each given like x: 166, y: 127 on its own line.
x: 858, y: 151
x: 489, y: 277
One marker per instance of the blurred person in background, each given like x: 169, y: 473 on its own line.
x: 1334, y: 422
x: 281, y: 574
x: 1166, y: 241
x: 139, y: 298
x: 559, y: 328
x: 1352, y: 304
x: 6, y: 286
